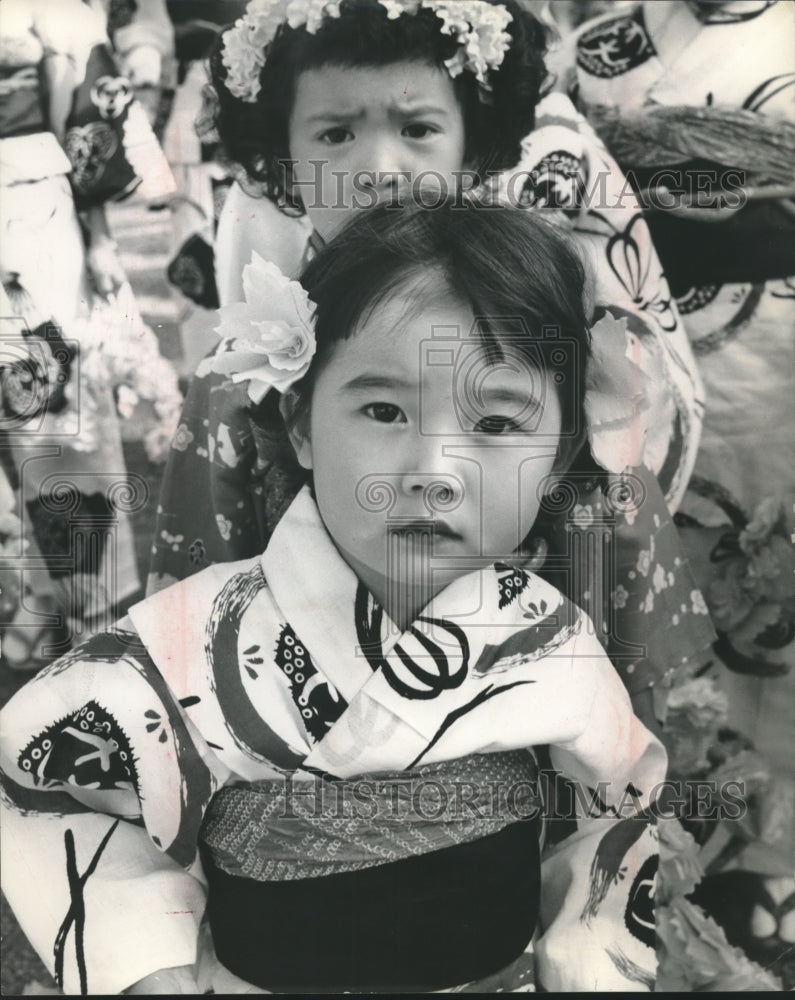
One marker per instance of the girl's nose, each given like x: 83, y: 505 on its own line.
x: 439, y: 492
x: 387, y: 168
x: 430, y: 475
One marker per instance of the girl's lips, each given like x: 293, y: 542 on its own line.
x: 436, y: 528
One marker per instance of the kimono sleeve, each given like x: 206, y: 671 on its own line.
x: 597, y: 910
x: 566, y: 172
x: 104, y: 788
x: 628, y: 279
x: 222, y: 518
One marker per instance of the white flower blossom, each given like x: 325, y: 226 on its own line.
x: 224, y: 526
x: 269, y: 338
x: 394, y: 8
x: 479, y: 28
x: 644, y: 562
x: 698, y: 603
x: 620, y: 596
x: 659, y: 580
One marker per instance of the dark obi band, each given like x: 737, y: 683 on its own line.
x: 422, y: 923
x: 394, y: 881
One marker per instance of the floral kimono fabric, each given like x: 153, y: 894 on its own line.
x: 180, y: 729
x: 682, y: 59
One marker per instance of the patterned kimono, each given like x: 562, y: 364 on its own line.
x: 360, y: 802
x: 58, y: 414
x: 225, y: 488
x: 733, y: 280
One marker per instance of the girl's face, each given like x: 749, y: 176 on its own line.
x: 362, y: 135
x: 428, y: 460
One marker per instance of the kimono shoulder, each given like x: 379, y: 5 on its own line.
x: 173, y: 623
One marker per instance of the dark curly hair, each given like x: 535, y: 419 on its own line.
x: 255, y: 135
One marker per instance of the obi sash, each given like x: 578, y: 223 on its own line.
x: 452, y: 847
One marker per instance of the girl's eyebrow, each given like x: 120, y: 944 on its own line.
x: 336, y: 116
x: 506, y: 394
x: 406, y: 108
x: 399, y: 110
x: 366, y: 381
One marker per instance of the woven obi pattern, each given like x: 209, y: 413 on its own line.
x: 279, y: 830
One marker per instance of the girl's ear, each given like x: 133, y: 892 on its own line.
x: 296, y: 420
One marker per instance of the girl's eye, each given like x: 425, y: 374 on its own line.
x: 418, y: 130
x: 385, y: 413
x: 494, y: 424
x: 336, y: 136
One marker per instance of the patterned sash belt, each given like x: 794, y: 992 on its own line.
x: 280, y: 830
x: 427, y: 882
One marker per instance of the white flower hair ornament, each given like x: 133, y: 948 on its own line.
x: 268, y: 340
x: 477, y: 26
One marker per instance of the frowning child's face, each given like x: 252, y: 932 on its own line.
x: 362, y: 135
x: 428, y: 459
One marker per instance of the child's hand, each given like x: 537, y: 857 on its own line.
x: 164, y: 981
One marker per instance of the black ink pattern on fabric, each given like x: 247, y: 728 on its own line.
x: 768, y: 90
x: 721, y: 13
x: 416, y: 682
x: 98, y: 122
x: 368, y: 616
x: 318, y: 701
x: 88, y: 745
x: 556, y: 181
x: 38, y: 382
x: 607, y: 866
x: 450, y: 672
x: 76, y: 914
x: 459, y: 713
x: 639, y: 913
x: 511, y: 582
x: 614, y: 47
x: 76, y: 542
x: 630, y: 264
x: 549, y: 633
x: 630, y: 970
x: 249, y: 730
x: 87, y: 748
x: 697, y: 298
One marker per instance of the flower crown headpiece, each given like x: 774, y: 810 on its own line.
x: 269, y: 342
x: 477, y: 26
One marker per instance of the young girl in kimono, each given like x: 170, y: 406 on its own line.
x: 326, y: 108
x: 310, y: 770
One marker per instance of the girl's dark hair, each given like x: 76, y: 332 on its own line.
x: 255, y: 135
x: 519, y: 275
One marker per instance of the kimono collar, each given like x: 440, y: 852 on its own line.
x: 361, y: 651
x: 316, y: 591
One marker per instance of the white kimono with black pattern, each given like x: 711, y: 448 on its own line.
x: 111, y: 755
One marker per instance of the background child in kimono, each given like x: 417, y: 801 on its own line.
x: 432, y: 371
